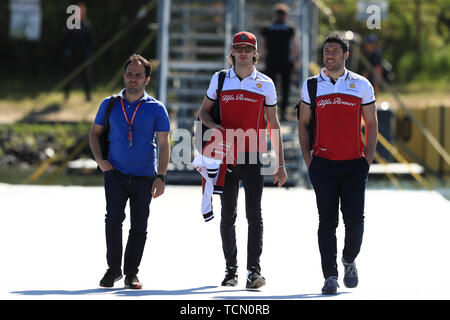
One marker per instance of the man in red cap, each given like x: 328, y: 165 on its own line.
x: 247, y: 101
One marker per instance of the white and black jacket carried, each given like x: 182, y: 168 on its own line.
x: 212, y: 166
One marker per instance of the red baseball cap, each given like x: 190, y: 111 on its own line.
x: 244, y: 38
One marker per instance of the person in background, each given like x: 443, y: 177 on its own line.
x: 280, y: 48
x: 78, y: 47
x: 375, y: 57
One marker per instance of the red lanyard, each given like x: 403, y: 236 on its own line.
x: 130, y: 134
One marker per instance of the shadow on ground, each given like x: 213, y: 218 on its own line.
x: 205, y: 290
x: 35, y: 115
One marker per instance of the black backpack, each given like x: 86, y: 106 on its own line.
x: 312, y: 90
x: 215, y: 111
x: 104, y: 143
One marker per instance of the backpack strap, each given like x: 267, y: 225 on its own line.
x: 220, y: 81
x: 215, y: 112
x: 312, y: 91
x: 104, y: 137
x: 112, y: 102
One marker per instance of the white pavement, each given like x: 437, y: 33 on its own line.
x: 52, y: 246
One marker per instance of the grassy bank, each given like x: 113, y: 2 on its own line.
x: 23, y: 144
x: 32, y: 101
x: 22, y: 176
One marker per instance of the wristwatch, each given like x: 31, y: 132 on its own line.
x: 162, y: 177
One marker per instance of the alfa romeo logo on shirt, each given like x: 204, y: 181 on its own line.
x: 239, y: 97
x: 352, y: 85
x: 324, y: 102
x: 259, y: 85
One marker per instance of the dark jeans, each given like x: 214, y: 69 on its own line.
x: 253, y: 183
x: 118, y: 189
x: 333, y: 181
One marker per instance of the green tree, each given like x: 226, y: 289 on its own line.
x: 415, y: 37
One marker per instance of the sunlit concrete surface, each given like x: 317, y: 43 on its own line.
x: 53, y: 246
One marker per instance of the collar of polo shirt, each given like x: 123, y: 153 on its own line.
x: 252, y: 75
x: 144, y: 97
x: 324, y: 76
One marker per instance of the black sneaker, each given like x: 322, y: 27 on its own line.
x: 330, y: 286
x: 111, y: 276
x: 351, y: 274
x: 231, y: 277
x: 132, y: 282
x: 255, y: 280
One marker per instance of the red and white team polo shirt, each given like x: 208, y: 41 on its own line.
x: 338, y: 115
x: 242, y: 105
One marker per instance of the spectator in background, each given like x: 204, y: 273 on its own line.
x: 374, y: 55
x: 78, y: 47
x: 281, y: 50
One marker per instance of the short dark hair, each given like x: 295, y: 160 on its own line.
x: 136, y: 58
x: 337, y: 38
x: 281, y: 9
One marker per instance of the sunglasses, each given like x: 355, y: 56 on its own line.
x: 247, y: 49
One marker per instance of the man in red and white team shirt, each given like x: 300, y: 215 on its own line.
x: 339, y: 164
x: 247, y: 101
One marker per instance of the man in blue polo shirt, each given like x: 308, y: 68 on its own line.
x: 130, y: 169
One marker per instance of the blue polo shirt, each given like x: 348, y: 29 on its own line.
x: 140, y: 158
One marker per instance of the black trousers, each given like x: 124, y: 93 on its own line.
x: 85, y: 76
x: 118, y: 189
x: 253, y: 183
x: 335, y: 181
x: 285, y: 72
